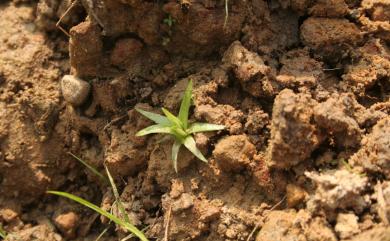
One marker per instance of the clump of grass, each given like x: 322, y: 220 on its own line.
x: 123, y: 222
x: 3, y: 234
x: 178, y: 127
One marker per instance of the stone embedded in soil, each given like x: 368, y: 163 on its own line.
x: 347, y: 225
x: 85, y: 49
x: 329, y: 36
x: 337, y: 116
x: 290, y: 225
x: 340, y: 189
x: 249, y: 68
x: 234, y: 153
x: 74, y: 90
x: 67, y: 223
x: 293, y: 135
x: 374, y: 155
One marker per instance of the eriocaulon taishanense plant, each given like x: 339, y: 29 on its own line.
x: 178, y: 127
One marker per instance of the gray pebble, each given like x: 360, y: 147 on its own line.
x: 74, y: 90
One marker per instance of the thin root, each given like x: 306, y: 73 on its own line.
x: 58, y: 24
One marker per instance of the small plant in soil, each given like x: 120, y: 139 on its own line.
x: 2, y: 232
x: 123, y: 221
x: 178, y: 127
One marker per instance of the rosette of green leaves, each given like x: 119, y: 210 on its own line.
x: 178, y: 127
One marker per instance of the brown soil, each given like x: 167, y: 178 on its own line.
x: 303, y: 88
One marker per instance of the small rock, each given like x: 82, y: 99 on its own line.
x: 347, y: 225
x: 67, y: 223
x: 184, y: 202
x: 74, y: 90
x: 295, y: 195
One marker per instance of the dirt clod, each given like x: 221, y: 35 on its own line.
x: 293, y: 135
x: 234, y: 153
x: 340, y: 189
x: 67, y: 223
x: 347, y: 225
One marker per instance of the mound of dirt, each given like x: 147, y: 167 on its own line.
x: 302, y: 88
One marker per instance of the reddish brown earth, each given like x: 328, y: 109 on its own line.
x: 303, y: 88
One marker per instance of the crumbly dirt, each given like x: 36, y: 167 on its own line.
x: 302, y: 87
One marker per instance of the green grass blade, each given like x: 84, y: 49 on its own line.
x: 173, y: 119
x: 91, y: 168
x: 185, y: 105
x: 108, y: 215
x: 2, y: 232
x: 159, y: 119
x: 102, y: 234
x: 189, y: 142
x: 119, y: 203
x: 153, y: 129
x: 175, y: 152
x: 226, y: 13
x: 203, y: 127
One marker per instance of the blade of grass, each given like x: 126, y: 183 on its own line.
x: 91, y: 168
x: 203, y: 127
x: 226, y: 13
x: 102, y: 234
x: 173, y: 119
x: 108, y: 215
x: 153, y: 129
x: 189, y: 142
x: 2, y: 232
x: 159, y: 119
x: 185, y: 105
x: 119, y: 204
x: 175, y: 152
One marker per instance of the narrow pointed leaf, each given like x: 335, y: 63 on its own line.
x: 203, y: 127
x: 2, y: 232
x: 102, y: 212
x: 159, y: 119
x: 154, y: 129
x: 189, y: 142
x: 175, y: 152
x: 173, y: 119
x: 185, y: 105
x: 118, y: 202
x: 90, y: 167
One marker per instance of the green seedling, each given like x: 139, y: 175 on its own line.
x: 113, y: 218
x: 226, y: 13
x: 169, y: 21
x: 178, y: 127
x: 124, y: 222
x: 2, y: 232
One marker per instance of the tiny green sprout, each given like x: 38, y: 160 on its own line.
x: 2, y: 232
x: 169, y: 21
x: 178, y: 127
